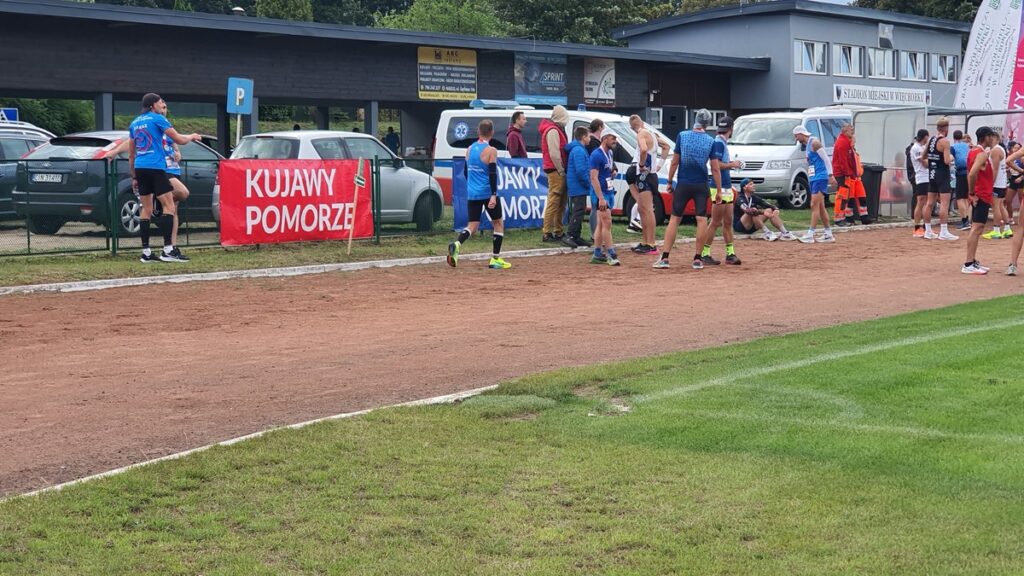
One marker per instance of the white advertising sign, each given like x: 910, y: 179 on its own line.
x: 880, y: 95
x: 599, y: 82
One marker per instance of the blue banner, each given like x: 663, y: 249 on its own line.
x: 522, y: 191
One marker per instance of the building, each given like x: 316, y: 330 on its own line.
x: 820, y: 53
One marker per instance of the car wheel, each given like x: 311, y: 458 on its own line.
x: 128, y: 215
x: 799, y: 195
x: 423, y: 213
x: 48, y: 225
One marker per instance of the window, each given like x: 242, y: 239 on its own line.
x: 830, y: 129
x: 328, y: 148
x: 881, y: 63
x: 193, y: 151
x: 763, y: 131
x: 267, y: 148
x: 809, y: 57
x: 813, y: 128
x: 462, y: 131
x: 367, y: 148
x: 944, y: 68
x: 913, y: 66
x: 13, y: 148
x: 847, y: 60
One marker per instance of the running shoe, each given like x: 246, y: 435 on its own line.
x: 498, y: 264
x: 661, y: 264
x: 639, y: 249
x: 807, y: 238
x: 788, y: 237
x: 584, y: 242
x: 929, y: 235
x: 634, y: 227
x: 171, y: 256
x: 733, y: 260
x: 709, y: 260
x: 964, y: 226
x: 697, y: 264
x: 992, y: 235
x: 918, y: 232
x: 981, y: 266
x: 1011, y: 270
x: 972, y: 269
x: 147, y: 259
x: 770, y: 237
x: 843, y: 224
x: 569, y: 242
x: 177, y: 254
x: 598, y: 260
x: 1008, y: 233
x: 453, y: 254
x: 651, y: 249
x: 826, y: 237
x: 948, y: 237
x: 613, y: 261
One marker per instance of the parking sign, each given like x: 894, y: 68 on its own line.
x: 240, y: 96
x: 8, y: 114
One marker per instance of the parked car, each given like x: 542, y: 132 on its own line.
x: 456, y: 131
x: 63, y: 181
x: 407, y: 195
x: 14, y: 144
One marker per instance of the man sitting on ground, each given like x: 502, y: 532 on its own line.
x: 751, y: 211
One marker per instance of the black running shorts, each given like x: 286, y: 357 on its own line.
x: 651, y: 181
x: 961, y: 186
x: 921, y: 189
x: 979, y: 214
x: 152, y: 182
x: 940, y: 186
x: 476, y: 208
x: 684, y: 193
x: 999, y: 192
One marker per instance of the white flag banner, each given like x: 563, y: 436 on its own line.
x: 987, y: 72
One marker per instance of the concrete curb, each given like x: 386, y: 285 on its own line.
x: 337, y: 267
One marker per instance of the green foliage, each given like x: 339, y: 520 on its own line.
x: 183, y: 5
x: 58, y: 116
x: 963, y: 10
x: 584, y: 22
x: 285, y: 9
x: 474, y: 17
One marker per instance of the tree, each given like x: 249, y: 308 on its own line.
x: 342, y: 12
x: 58, y: 116
x: 285, y: 9
x: 473, y: 17
x: 183, y: 5
x: 963, y: 10
x: 579, y: 21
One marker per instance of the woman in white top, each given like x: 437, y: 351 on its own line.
x: 1000, y: 218
x: 919, y: 162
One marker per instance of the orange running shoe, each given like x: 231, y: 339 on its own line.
x: 919, y: 233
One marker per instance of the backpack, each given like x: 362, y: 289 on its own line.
x: 910, y: 163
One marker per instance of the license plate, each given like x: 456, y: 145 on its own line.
x: 50, y: 178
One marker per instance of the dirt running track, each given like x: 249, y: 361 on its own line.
x: 77, y: 397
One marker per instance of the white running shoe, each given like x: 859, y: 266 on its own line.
x: 981, y: 267
x: 973, y: 269
x: 807, y: 238
x: 769, y: 236
x: 827, y: 237
x: 947, y: 236
x: 1011, y: 270
x: 929, y: 235
x: 788, y: 237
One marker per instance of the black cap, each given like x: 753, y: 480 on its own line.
x: 724, y: 124
x: 149, y: 100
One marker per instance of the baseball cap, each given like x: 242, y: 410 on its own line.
x: 801, y: 130
x: 724, y: 124
x: 744, y: 182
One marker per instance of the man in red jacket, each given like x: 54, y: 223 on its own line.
x: 847, y: 170
x: 514, y: 137
x: 552, y: 148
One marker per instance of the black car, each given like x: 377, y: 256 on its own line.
x: 13, y: 145
x: 64, y: 181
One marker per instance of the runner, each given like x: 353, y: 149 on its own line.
x: 980, y: 184
x: 939, y: 161
x: 602, y: 198
x: 147, y: 162
x: 722, y: 196
x: 960, y: 149
x: 751, y: 211
x: 693, y: 152
x: 482, y: 193
x: 642, y: 177
x: 1012, y: 185
x: 819, y: 170
x: 1000, y: 221
x: 919, y: 162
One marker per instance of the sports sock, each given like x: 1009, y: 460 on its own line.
x: 463, y: 236
x: 144, y: 232
x: 928, y: 228
x: 782, y: 229
x: 612, y: 253
x: 597, y: 252
x: 1006, y: 228
x: 705, y: 251
x: 165, y: 223
x: 664, y: 255
x: 811, y: 231
x: 497, y: 244
x: 917, y: 227
x: 944, y: 228
x: 730, y: 250
x: 696, y: 256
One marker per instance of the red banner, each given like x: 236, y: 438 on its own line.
x: 270, y: 201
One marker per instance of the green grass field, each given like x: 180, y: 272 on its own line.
x: 889, y: 447
x: 18, y: 270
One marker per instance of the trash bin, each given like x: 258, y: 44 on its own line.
x: 872, y: 180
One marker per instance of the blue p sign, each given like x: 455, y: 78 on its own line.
x: 239, y: 96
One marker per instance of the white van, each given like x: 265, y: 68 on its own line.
x: 456, y: 131
x: 773, y: 159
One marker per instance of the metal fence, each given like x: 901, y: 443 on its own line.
x: 65, y: 206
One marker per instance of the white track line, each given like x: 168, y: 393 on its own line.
x: 754, y: 372
x: 322, y: 268
x: 446, y: 399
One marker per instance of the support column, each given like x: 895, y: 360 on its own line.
x: 323, y: 118
x: 104, y: 106
x: 225, y: 139
x: 251, y: 123
x: 370, y: 116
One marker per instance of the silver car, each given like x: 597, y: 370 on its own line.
x: 407, y: 195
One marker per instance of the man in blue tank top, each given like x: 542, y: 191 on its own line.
x: 147, y: 161
x: 481, y: 194
x: 819, y: 174
x: 960, y: 149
